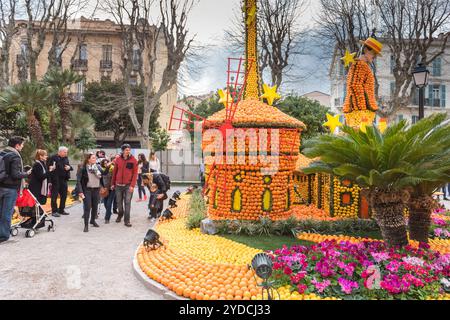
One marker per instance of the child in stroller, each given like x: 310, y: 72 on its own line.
x: 33, y: 216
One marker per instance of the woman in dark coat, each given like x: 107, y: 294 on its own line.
x: 39, y: 178
x: 88, y: 185
x: 144, y: 167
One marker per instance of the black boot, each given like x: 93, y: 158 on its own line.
x: 86, y: 228
x: 94, y: 224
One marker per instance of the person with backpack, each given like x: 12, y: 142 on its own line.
x: 124, y: 181
x: 12, y: 177
x: 163, y: 183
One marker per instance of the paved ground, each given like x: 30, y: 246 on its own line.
x: 69, y: 264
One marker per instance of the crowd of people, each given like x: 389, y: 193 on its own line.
x: 100, y: 181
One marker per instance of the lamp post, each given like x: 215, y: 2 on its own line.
x: 421, y: 76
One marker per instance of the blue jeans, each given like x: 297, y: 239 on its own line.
x: 123, y: 197
x: 8, y: 199
x: 109, y: 204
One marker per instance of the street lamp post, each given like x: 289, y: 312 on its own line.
x: 421, y: 76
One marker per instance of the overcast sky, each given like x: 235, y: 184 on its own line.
x: 208, y: 21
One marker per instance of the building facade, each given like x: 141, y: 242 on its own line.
x: 321, y: 97
x: 436, y: 93
x: 97, y: 56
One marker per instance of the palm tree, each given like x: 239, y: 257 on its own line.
x: 376, y: 162
x: 433, y: 136
x: 29, y: 96
x: 81, y: 121
x: 60, y: 81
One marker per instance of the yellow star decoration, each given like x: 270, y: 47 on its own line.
x: 225, y: 97
x: 382, y: 126
x: 270, y: 94
x: 348, y: 58
x: 251, y: 15
x: 332, y: 123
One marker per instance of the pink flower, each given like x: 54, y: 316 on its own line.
x: 380, y: 256
x: 347, y: 286
x: 393, y: 266
x: 321, y: 286
x: 301, y: 288
x: 440, y: 222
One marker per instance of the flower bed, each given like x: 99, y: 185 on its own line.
x: 440, y: 228
x: 350, y: 270
x: 203, y: 267
x: 439, y: 245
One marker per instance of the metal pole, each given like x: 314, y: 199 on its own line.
x: 421, y: 103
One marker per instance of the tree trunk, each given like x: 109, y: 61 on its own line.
x: 32, y: 67
x: 36, y: 131
x: 388, y: 208
x: 53, y: 128
x: 419, y: 223
x: 64, y: 111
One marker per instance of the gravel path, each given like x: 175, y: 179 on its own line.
x: 69, y: 264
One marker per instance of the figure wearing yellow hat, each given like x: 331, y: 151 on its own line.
x: 360, y: 102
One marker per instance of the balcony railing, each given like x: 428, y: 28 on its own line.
x: 80, y: 64
x: 436, y: 103
x: 106, y: 64
x: 433, y: 103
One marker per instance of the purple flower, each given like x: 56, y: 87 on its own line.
x: 440, y: 222
x: 347, y: 286
x: 393, y: 266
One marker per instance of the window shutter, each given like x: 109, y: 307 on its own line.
x: 437, y: 67
x: 443, y: 96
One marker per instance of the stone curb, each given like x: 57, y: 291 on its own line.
x: 154, y: 286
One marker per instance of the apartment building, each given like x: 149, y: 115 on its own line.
x: 97, y: 56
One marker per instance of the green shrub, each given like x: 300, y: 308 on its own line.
x: 285, y: 227
x: 265, y: 227
x: 197, y: 210
x: 194, y: 219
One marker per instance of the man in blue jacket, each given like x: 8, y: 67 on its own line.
x: 11, y: 183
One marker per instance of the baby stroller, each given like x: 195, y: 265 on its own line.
x: 32, y: 216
